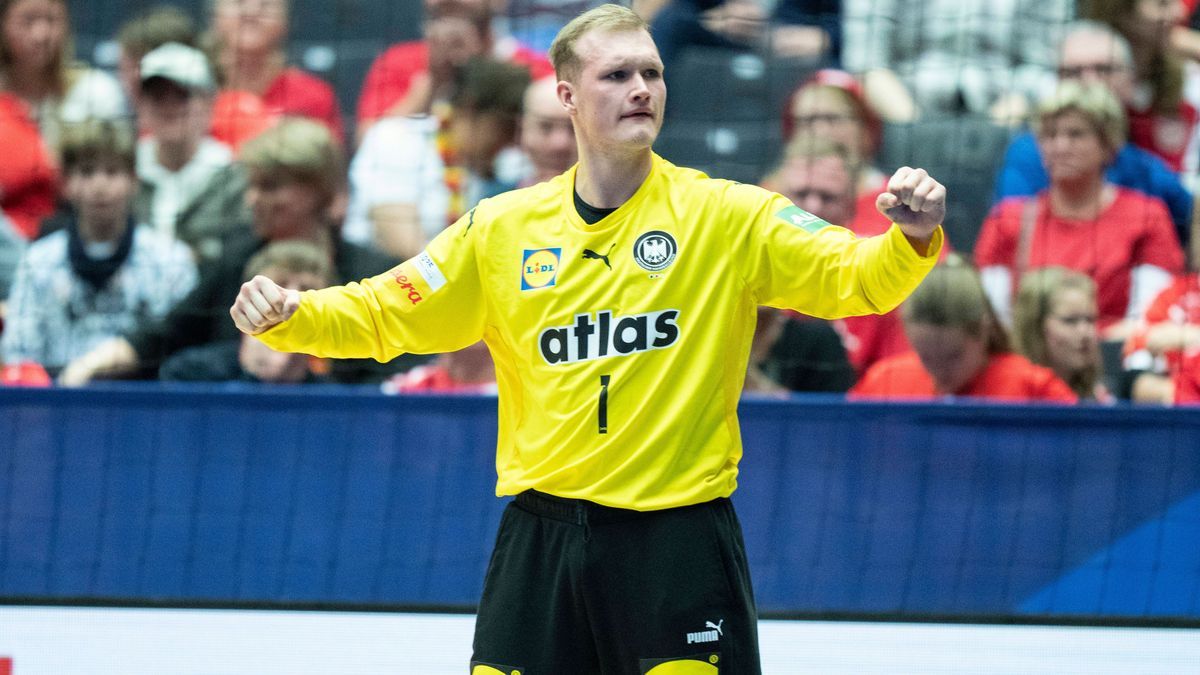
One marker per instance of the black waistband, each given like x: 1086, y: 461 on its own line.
x: 579, y: 511
x: 576, y: 511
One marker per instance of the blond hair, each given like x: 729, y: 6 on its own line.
x: 298, y: 149
x: 808, y: 147
x: 1030, y: 310
x: 291, y: 256
x: 95, y: 142
x: 608, y: 18
x: 952, y: 296
x: 1094, y: 102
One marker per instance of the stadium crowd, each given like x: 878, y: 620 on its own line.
x: 135, y: 202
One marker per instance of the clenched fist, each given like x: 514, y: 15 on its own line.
x: 914, y: 201
x: 262, y: 304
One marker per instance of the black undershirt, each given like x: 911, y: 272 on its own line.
x: 590, y: 214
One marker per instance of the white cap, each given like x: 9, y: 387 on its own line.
x: 183, y: 65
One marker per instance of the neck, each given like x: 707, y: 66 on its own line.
x: 251, y: 71
x: 174, y: 156
x: 31, y: 85
x: 606, y: 181
x: 1083, y: 198
x: 101, y: 231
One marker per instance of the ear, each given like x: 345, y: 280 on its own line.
x: 566, y: 96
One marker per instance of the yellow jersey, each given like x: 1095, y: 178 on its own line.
x: 621, y: 346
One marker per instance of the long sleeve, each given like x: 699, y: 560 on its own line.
x: 433, y: 302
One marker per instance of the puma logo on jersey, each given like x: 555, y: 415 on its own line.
x: 589, y: 254
x: 607, y: 335
x: 707, y: 635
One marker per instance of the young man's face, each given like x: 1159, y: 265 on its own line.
x: 619, y: 98
x: 172, y: 113
x: 283, y: 207
x: 100, y: 191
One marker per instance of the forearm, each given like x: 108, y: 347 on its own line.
x: 111, y: 358
x: 397, y: 230
x: 1166, y: 337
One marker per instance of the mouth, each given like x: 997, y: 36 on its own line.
x: 639, y: 114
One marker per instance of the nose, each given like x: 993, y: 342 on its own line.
x: 640, y: 91
x: 41, y: 31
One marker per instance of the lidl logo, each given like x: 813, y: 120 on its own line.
x: 539, y: 269
x: 802, y: 219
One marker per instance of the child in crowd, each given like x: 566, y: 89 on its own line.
x: 293, y: 264
x: 960, y: 348
x: 103, y: 274
x: 1054, y: 325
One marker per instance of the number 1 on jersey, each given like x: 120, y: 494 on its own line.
x: 603, y: 413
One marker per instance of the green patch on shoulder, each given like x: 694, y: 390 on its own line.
x: 794, y: 215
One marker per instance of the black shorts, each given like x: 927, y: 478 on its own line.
x: 574, y: 588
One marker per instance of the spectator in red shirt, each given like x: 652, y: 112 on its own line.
x: 41, y: 88
x: 1122, y: 239
x: 258, y: 87
x: 1187, y: 382
x: 1054, y: 325
x: 409, y: 76
x: 1165, y: 338
x: 960, y: 348
x: 820, y: 175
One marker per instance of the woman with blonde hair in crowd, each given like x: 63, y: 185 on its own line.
x: 1124, y: 240
x: 41, y: 88
x: 959, y: 348
x: 258, y: 87
x: 1054, y: 325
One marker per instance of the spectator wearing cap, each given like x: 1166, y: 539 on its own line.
x: 142, y: 34
x: 189, y: 186
x: 41, y: 89
x: 1093, y: 53
x: 103, y: 274
x: 407, y: 77
x: 257, y: 86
